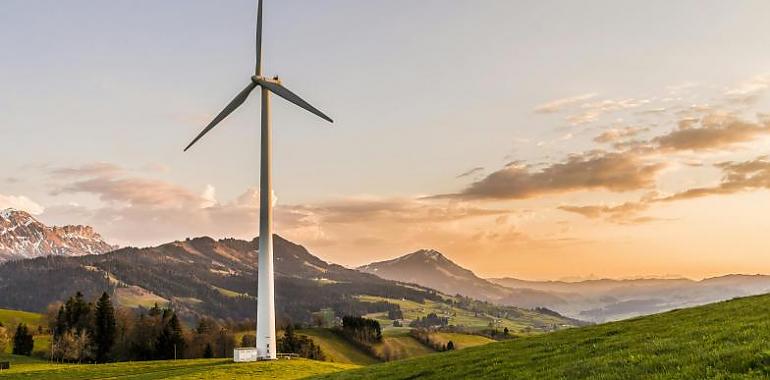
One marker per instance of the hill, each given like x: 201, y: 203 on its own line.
x: 609, y: 299
x: 432, y: 269
x: 729, y: 339
x: 22, y: 237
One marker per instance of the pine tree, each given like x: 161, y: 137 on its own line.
x: 23, y: 341
x: 171, y: 340
x: 104, y: 329
x: 208, y: 352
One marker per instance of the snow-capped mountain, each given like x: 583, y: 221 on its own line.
x: 22, y: 237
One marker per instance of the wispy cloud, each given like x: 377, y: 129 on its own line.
x: 561, y: 104
x: 471, y: 172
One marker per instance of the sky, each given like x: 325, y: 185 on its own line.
x: 532, y: 139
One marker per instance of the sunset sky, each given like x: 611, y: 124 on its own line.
x: 533, y: 139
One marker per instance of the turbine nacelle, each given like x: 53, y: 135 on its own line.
x: 258, y: 79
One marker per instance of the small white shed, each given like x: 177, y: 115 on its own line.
x: 248, y: 354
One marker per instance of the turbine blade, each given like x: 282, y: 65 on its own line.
x: 235, y: 103
x: 284, y: 92
x: 258, y: 68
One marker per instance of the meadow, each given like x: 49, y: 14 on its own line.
x: 29, y: 368
x: 461, y: 317
x: 727, y: 340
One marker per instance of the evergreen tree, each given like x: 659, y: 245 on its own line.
x: 171, y: 340
x: 104, y: 329
x: 208, y: 352
x: 77, y: 313
x: 450, y: 346
x: 23, y: 341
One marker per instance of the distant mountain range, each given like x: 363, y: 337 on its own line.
x: 218, y: 278
x: 606, y: 300
x: 40, y: 264
x: 592, y: 300
x: 23, y: 237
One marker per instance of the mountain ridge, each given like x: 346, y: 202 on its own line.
x: 22, y: 236
x: 448, y: 277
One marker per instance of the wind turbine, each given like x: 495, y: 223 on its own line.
x: 266, y: 348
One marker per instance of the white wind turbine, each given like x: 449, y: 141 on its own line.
x: 265, y: 292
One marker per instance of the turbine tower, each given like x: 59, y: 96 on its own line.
x: 266, y: 348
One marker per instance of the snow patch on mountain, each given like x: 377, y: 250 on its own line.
x: 24, y: 237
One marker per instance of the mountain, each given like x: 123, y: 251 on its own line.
x: 609, y: 299
x: 591, y: 300
x: 218, y: 278
x: 23, y: 237
x: 726, y: 340
x: 431, y: 269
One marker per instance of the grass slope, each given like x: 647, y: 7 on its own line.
x: 336, y: 349
x: 462, y: 340
x: 175, y: 369
x: 11, y: 318
x: 397, y: 344
x: 723, y: 340
x: 460, y: 317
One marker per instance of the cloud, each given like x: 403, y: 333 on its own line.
x: 21, y: 202
x: 617, y: 134
x: 560, y: 104
x: 471, y: 172
x: 88, y: 170
x: 142, y: 211
x: 625, y: 213
x: 748, y: 92
x: 135, y: 192
x: 395, y: 210
x: 595, y: 170
x: 737, y: 177
x: 592, y: 111
x: 712, y: 132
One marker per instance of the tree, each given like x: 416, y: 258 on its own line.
x: 104, y: 329
x: 248, y: 340
x: 77, y: 313
x: 171, y: 343
x: 23, y: 341
x: 505, y: 331
x: 72, y: 346
x: 450, y: 346
x: 4, y: 338
x: 208, y: 352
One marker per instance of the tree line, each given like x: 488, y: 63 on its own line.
x: 98, y: 332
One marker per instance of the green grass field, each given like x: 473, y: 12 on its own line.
x: 462, y: 340
x: 11, y: 318
x: 336, y: 349
x: 457, y: 316
x: 397, y: 344
x: 727, y: 340
x: 25, y: 368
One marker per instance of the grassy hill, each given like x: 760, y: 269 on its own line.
x: 174, y: 369
x: 336, y: 349
x: 524, y: 322
x: 11, y: 318
x: 724, y: 340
